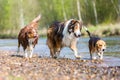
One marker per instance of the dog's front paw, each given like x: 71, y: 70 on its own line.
x: 55, y: 57
x: 26, y: 55
x: 30, y: 56
x: 78, y: 57
x: 101, y: 58
x: 94, y: 58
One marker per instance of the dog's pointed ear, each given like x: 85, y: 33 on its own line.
x: 73, y: 21
x: 96, y: 44
x: 81, y: 23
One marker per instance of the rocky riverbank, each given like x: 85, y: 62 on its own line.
x: 18, y: 68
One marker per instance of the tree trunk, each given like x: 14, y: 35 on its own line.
x: 86, y: 2
x: 117, y: 10
x: 119, y: 7
x: 64, y: 13
x: 79, y: 12
x: 21, y: 15
x: 95, y: 12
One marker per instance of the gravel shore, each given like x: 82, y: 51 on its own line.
x: 37, y: 68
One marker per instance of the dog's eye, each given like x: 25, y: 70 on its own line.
x: 72, y: 26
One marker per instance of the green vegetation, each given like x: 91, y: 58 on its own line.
x: 10, y: 77
x: 17, y: 13
x: 113, y: 54
x: 104, y: 30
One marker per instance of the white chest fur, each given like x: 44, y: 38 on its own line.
x: 68, y: 39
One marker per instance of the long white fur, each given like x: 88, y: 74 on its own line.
x: 69, y: 38
x: 66, y: 26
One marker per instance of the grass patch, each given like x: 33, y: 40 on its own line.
x: 114, y: 54
x: 3, y: 36
x: 10, y: 77
x: 104, y: 30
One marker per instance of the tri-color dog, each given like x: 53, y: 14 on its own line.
x: 96, y: 45
x: 28, y: 37
x: 64, y: 34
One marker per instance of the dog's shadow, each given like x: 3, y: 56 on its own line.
x: 15, y: 55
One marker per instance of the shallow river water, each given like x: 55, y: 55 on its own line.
x: 111, y: 55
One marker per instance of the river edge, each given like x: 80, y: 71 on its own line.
x: 39, y: 68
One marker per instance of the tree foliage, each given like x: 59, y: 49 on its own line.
x: 16, y: 13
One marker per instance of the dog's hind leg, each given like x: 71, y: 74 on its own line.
x: 52, y: 53
x: 57, y: 53
x: 18, y: 50
x: 26, y: 53
x: 91, y: 57
x: 91, y: 52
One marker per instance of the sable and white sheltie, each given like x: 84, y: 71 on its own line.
x: 64, y: 34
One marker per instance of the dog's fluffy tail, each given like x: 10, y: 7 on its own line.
x: 35, y: 21
x: 37, y: 18
x: 87, y: 31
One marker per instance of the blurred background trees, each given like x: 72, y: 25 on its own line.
x: 14, y: 14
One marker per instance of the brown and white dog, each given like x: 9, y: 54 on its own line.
x: 63, y: 34
x: 28, y: 37
x: 96, y: 45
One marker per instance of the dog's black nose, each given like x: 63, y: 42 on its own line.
x: 79, y: 35
x: 103, y: 49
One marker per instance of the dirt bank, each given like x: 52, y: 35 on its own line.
x: 18, y: 68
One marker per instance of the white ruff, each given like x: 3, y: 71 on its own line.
x: 66, y: 27
x: 68, y: 38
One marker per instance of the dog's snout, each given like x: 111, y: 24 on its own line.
x: 35, y: 36
x: 77, y: 35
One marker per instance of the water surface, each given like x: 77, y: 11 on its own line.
x: 111, y: 55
